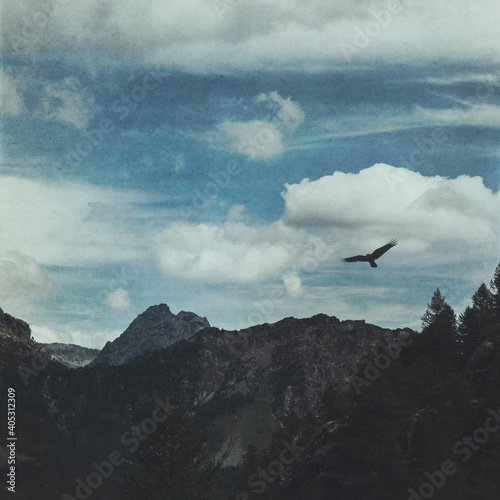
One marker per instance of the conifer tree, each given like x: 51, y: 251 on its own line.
x: 436, y: 306
x: 495, y: 290
x: 172, y: 463
x: 476, y: 319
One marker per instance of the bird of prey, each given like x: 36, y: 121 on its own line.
x: 370, y: 257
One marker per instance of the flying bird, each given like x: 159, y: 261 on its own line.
x: 370, y: 257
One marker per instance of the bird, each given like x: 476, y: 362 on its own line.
x: 370, y: 257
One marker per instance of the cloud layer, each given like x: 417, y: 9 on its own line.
x: 216, y: 35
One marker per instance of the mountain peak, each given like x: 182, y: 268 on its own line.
x: 153, y: 329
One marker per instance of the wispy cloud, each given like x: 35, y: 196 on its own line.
x: 369, y: 121
x: 66, y: 101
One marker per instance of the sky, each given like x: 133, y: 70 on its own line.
x: 223, y: 156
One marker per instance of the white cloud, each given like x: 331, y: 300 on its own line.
x: 262, y: 34
x: 293, y: 285
x: 67, y: 102
x: 21, y: 277
x: 256, y: 139
x: 259, y: 139
x: 118, y: 299
x: 288, y: 113
x: 235, y: 213
x: 483, y: 79
x: 11, y: 103
x: 229, y: 253
x: 68, y: 224
x: 367, y: 121
x: 458, y: 217
x: 480, y: 114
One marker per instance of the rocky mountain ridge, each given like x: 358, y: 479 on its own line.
x: 155, y: 328
x: 71, y: 355
x: 239, y: 384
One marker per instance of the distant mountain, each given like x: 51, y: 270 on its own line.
x: 155, y: 328
x: 71, y: 355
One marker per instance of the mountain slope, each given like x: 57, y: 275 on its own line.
x: 16, y: 345
x: 71, y: 355
x: 155, y: 328
x: 238, y: 384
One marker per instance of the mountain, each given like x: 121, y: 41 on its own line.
x: 301, y: 408
x: 16, y: 345
x: 238, y: 384
x: 71, y: 355
x: 155, y: 328
x: 259, y: 386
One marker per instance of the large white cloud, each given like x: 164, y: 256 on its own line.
x: 232, y: 252
x: 219, y: 35
x: 458, y: 217
x: 237, y: 252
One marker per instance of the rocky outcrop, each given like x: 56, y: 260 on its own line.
x: 155, y: 328
x: 15, y: 326
x: 17, y: 348
x: 70, y: 355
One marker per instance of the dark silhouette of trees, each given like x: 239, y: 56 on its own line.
x: 172, y: 463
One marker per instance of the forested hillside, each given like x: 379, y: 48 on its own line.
x: 417, y: 416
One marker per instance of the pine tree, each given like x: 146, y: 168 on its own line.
x: 436, y: 306
x: 476, y: 319
x: 495, y: 290
x: 172, y: 463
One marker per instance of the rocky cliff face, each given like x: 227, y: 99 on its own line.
x: 70, y: 355
x: 155, y: 328
x: 16, y: 345
x: 14, y: 326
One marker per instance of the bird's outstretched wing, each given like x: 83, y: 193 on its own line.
x: 380, y: 251
x: 356, y: 258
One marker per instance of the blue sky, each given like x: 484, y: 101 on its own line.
x: 223, y: 157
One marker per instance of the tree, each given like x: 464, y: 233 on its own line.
x: 439, y: 336
x: 172, y: 463
x: 495, y: 287
x: 476, y: 319
x: 436, y: 306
